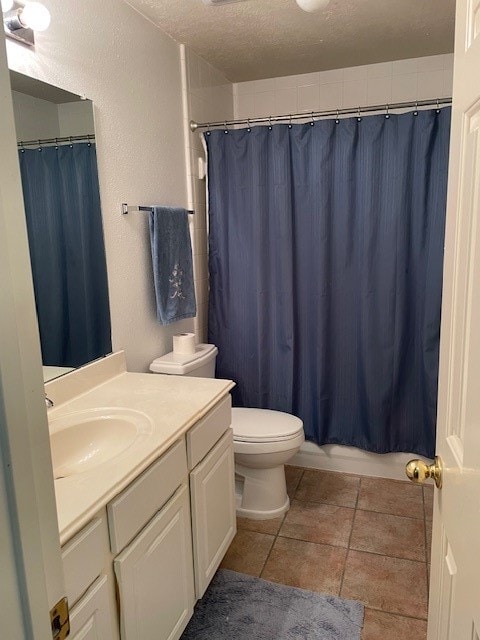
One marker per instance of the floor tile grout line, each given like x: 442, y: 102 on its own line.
x: 394, y: 613
x: 281, y: 524
x: 350, y: 536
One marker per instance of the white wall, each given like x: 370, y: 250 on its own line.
x: 34, y: 118
x: 131, y: 70
x: 76, y: 118
x: 386, y: 82
x: 37, y: 119
x: 207, y: 96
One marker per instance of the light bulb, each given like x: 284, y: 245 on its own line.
x: 312, y: 5
x: 35, y: 16
x: 7, y: 5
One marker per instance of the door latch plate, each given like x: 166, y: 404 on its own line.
x: 60, y: 620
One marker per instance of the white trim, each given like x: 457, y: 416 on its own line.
x: 334, y: 457
x: 24, y: 433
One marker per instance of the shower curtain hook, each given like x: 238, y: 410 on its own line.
x: 270, y: 122
x: 89, y: 144
x: 208, y: 129
x: 337, y: 119
x: 415, y: 113
x: 249, y: 128
x: 22, y: 148
x: 56, y: 143
x: 290, y: 121
x: 313, y: 121
x: 71, y: 143
x: 359, y: 117
x: 226, y: 128
x: 387, y: 115
x: 39, y: 145
x: 438, y: 106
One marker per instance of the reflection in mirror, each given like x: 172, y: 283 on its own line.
x: 57, y: 154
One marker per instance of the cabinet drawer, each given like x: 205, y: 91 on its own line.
x: 135, y: 506
x: 206, y: 433
x: 83, y: 558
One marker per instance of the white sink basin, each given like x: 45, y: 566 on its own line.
x: 84, y: 440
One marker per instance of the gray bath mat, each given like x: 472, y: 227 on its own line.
x: 240, y: 607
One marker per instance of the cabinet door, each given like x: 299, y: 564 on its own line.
x: 155, y: 575
x: 90, y: 618
x: 212, y: 489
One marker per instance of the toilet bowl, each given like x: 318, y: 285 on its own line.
x: 263, y: 441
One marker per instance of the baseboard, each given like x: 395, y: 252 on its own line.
x: 335, y: 457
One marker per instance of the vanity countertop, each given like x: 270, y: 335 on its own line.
x: 173, y: 404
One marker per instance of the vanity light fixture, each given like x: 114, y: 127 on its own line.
x: 21, y: 20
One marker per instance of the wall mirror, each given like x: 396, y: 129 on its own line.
x: 57, y: 154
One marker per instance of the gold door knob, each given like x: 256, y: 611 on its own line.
x: 418, y: 471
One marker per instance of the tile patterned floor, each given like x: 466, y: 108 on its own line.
x: 357, y: 537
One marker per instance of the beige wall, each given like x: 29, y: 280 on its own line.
x: 131, y: 70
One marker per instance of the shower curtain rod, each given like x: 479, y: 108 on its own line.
x: 322, y: 114
x: 39, y: 143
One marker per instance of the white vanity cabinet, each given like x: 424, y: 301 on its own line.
x: 155, y: 575
x: 213, y: 510
x: 89, y: 583
x: 212, y: 491
x: 167, y: 533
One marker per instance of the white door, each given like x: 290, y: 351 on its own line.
x: 155, y: 575
x: 32, y: 581
x: 214, y: 523
x: 454, y: 611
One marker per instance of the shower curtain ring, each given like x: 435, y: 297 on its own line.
x: 387, y: 115
x: 312, y: 121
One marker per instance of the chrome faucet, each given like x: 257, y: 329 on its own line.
x: 48, y: 402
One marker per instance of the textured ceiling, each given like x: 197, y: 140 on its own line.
x: 267, y: 38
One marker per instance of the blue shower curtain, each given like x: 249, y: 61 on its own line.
x: 326, y: 253
x: 65, y: 234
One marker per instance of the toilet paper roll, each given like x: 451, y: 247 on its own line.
x: 184, y: 343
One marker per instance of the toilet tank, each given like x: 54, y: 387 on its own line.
x: 200, y: 364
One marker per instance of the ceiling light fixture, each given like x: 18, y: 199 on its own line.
x: 313, y: 5
x: 21, y: 20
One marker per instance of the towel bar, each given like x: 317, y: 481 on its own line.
x: 130, y: 209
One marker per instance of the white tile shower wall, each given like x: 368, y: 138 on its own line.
x: 207, y: 97
x: 399, y: 81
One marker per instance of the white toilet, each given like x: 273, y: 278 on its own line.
x: 263, y: 440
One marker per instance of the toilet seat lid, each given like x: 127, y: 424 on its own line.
x: 264, y: 425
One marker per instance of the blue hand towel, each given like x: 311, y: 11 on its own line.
x: 172, y: 264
